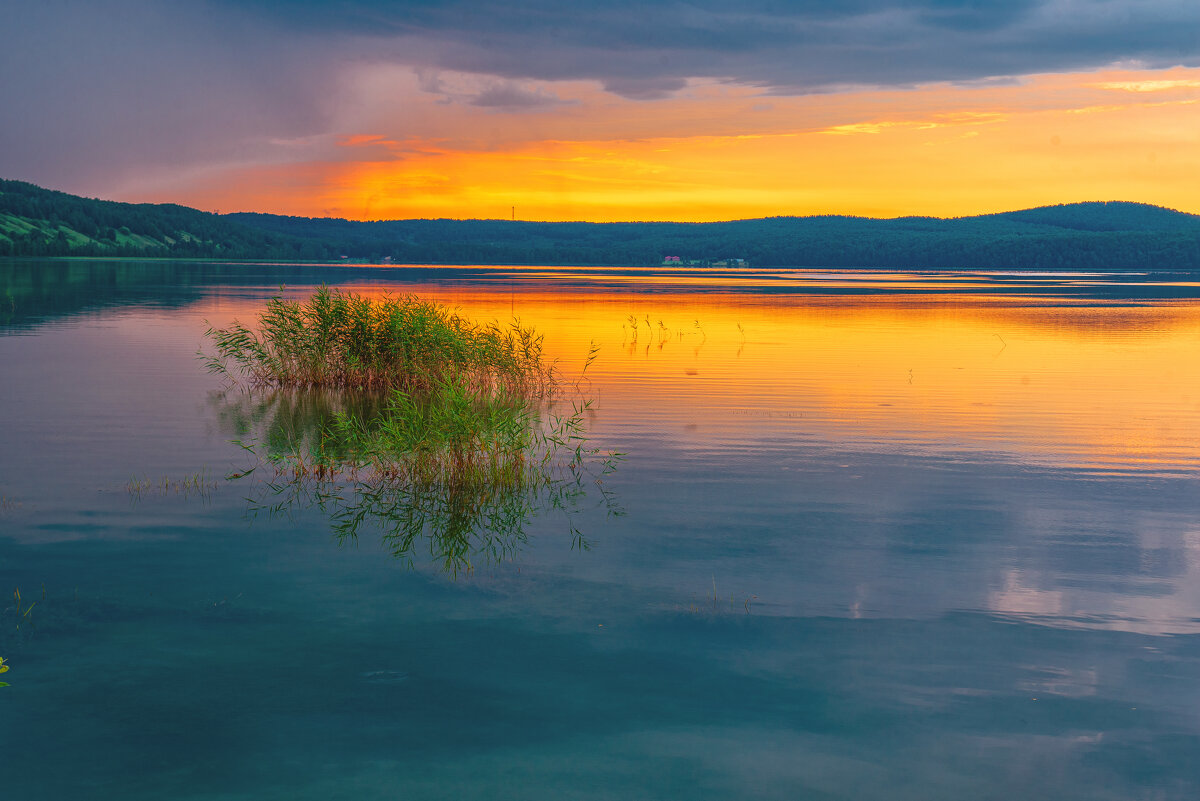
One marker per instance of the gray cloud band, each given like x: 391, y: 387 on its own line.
x: 645, y: 50
x: 95, y: 91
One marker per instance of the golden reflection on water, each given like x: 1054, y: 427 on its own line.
x: 691, y: 368
x: 1053, y: 381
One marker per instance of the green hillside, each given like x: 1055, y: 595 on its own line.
x: 42, y: 222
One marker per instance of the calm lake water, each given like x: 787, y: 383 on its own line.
x: 882, y: 536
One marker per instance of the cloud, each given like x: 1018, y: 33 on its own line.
x: 486, y: 92
x: 509, y: 96
x: 649, y: 48
x: 644, y: 88
x: 1150, y: 86
x: 94, y: 92
x: 929, y: 124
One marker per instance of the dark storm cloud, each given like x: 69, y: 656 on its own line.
x: 510, y: 97
x: 93, y: 90
x: 799, y: 46
x: 90, y: 91
x: 644, y: 88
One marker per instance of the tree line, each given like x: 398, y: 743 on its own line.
x: 1080, y: 236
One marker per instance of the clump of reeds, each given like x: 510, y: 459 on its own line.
x: 398, y: 413
x: 344, y: 340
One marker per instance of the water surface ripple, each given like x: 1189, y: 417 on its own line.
x: 885, y: 535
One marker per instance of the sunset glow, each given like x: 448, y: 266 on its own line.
x: 380, y: 110
x: 725, y: 152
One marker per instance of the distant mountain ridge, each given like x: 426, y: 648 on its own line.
x: 1113, y: 215
x: 1094, y: 235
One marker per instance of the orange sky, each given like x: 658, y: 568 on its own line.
x: 717, y: 151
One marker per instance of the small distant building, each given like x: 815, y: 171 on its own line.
x: 671, y: 260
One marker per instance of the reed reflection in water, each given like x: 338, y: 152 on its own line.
x: 367, y: 462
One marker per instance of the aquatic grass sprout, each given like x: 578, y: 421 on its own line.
x: 198, y: 484
x: 345, y: 340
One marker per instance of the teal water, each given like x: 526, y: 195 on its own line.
x: 883, y: 536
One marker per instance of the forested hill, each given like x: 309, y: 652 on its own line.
x: 1112, y: 235
x: 42, y: 222
x: 1077, y: 236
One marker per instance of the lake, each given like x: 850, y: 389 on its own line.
x: 876, y: 536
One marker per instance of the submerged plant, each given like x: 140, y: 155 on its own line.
x: 3, y: 669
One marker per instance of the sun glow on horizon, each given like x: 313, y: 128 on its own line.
x: 720, y: 152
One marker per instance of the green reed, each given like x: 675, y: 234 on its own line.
x: 344, y: 340
x: 397, y: 413
x: 12, y: 618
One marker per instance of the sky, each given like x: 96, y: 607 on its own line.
x: 615, y: 110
